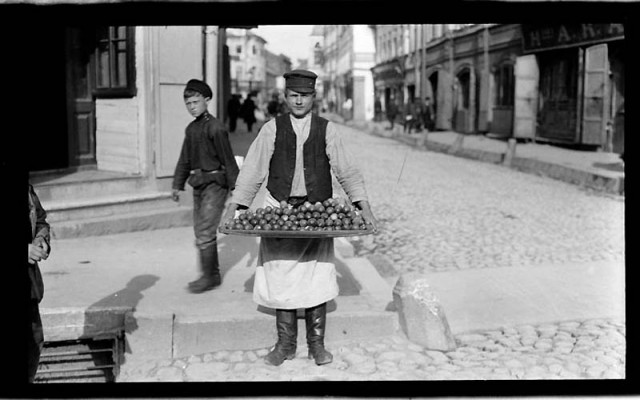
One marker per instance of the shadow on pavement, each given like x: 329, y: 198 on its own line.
x: 112, y: 309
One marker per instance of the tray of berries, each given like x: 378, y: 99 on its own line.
x: 330, y: 218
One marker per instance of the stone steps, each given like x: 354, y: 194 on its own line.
x: 86, y: 185
x: 91, y: 203
x: 60, y: 211
x: 157, y: 218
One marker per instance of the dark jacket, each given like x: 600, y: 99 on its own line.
x: 317, y: 169
x: 233, y: 107
x: 39, y: 228
x: 392, y: 110
x: 206, y: 146
x: 247, y: 111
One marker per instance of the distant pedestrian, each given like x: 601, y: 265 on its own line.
x: 272, y: 106
x: 392, y: 112
x: 248, y: 112
x: 428, y: 114
x: 39, y: 249
x: 377, y: 110
x: 412, y: 117
x: 207, y: 163
x: 347, y: 107
x: 233, y: 110
x: 276, y: 106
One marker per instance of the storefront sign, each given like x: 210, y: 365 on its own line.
x: 548, y: 37
x: 390, y: 71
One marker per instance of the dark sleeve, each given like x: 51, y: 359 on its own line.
x: 221, y: 142
x: 183, y: 167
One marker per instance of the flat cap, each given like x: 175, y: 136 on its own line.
x: 300, y: 80
x: 200, y: 87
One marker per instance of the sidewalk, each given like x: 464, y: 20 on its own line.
x: 136, y: 282
x: 592, y: 169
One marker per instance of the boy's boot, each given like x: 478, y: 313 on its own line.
x: 316, y: 320
x: 210, y: 271
x: 287, y: 326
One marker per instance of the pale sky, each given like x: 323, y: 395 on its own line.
x: 290, y: 40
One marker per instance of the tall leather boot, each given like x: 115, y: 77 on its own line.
x: 210, y: 271
x: 316, y: 320
x: 287, y: 326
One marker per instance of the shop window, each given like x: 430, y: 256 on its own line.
x: 558, y: 76
x: 115, y: 72
x: 505, y: 88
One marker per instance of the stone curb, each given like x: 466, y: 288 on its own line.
x: 563, y: 173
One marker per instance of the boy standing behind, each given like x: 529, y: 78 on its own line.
x: 207, y: 163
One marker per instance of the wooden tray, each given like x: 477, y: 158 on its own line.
x: 297, y: 234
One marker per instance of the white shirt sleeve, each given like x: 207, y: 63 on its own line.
x: 343, y: 165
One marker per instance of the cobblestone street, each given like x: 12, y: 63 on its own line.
x: 592, y: 349
x: 439, y: 213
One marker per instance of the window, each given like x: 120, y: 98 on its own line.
x: 114, y: 66
x: 253, y: 49
x: 238, y: 49
x: 504, y: 85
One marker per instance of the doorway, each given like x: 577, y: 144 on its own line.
x: 48, y: 143
x: 503, y: 100
x: 81, y: 114
x: 558, y: 105
x: 433, y: 81
x: 67, y: 139
x: 462, y: 101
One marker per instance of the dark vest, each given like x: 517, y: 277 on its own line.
x: 317, y: 170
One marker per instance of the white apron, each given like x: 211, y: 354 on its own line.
x: 294, y: 273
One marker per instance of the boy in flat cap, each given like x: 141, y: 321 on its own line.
x: 298, y: 151
x: 207, y: 163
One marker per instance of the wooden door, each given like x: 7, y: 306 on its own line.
x: 596, y: 99
x: 179, y: 58
x: 81, y: 115
x: 560, y: 95
x: 526, y: 97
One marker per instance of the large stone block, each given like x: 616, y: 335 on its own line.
x: 148, y: 337
x: 421, y: 315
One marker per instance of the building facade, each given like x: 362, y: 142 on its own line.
x: 554, y: 83
x: 248, y: 61
x: 462, y: 68
x: 117, y: 92
x: 348, y: 54
x: 276, y: 66
x: 581, y: 80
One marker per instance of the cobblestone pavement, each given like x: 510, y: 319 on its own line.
x: 593, y: 349
x: 438, y: 213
